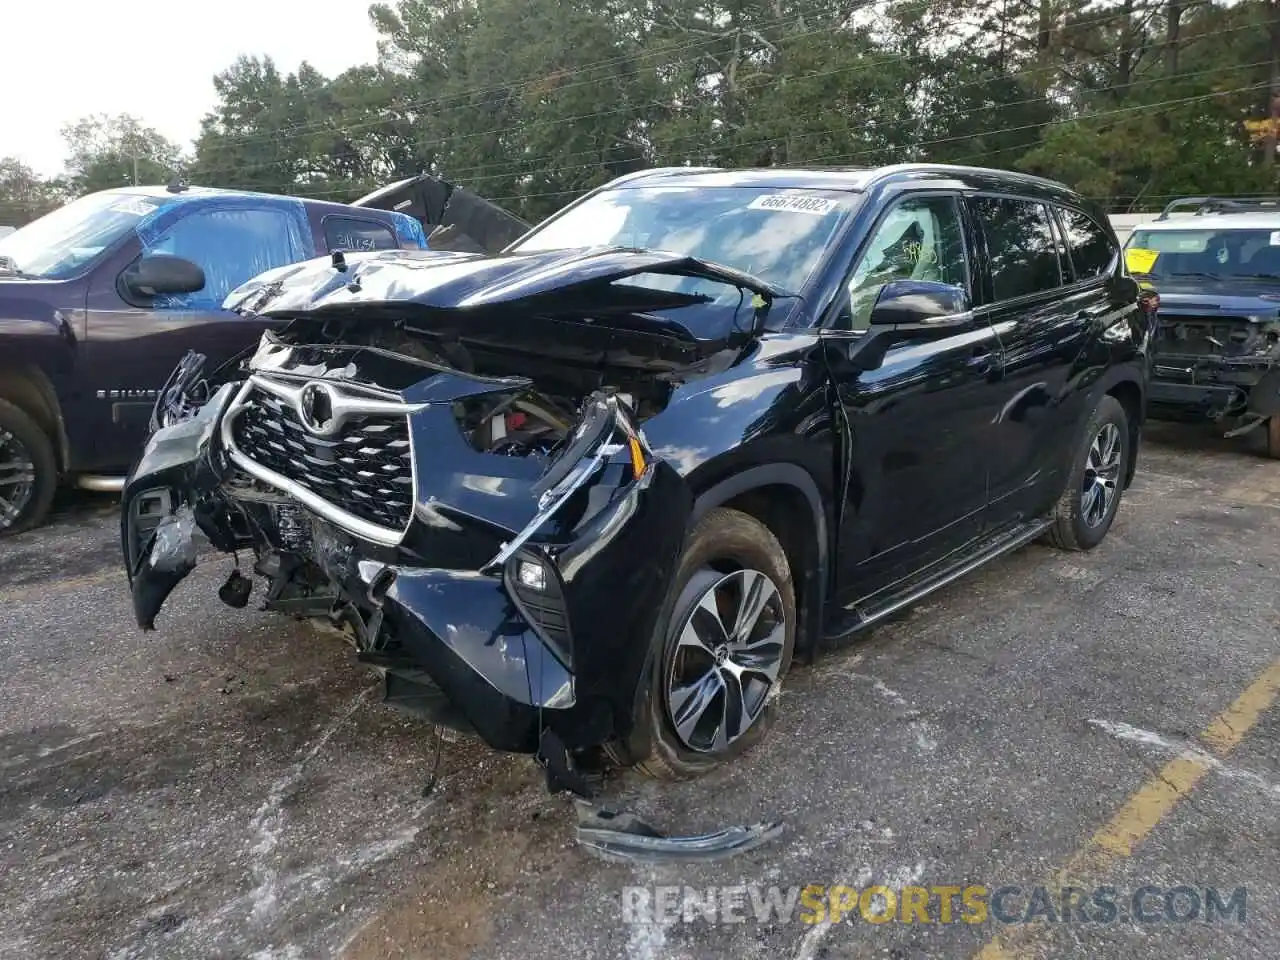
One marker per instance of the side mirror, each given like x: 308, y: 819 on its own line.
x: 918, y: 302
x: 160, y: 273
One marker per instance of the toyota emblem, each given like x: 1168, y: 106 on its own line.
x: 315, y: 407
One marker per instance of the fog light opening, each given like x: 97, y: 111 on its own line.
x: 531, y: 575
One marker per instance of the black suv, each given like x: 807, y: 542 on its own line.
x: 598, y: 490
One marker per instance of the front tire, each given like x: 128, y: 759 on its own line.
x: 1272, y: 444
x: 1087, y: 508
x: 720, y: 659
x: 28, y: 471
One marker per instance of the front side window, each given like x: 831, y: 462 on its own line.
x: 1021, y: 246
x: 1092, y: 252
x: 1234, y: 254
x: 231, y: 246
x: 920, y: 239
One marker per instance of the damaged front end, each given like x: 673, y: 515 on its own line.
x: 503, y: 563
x: 1217, y: 364
x: 458, y: 480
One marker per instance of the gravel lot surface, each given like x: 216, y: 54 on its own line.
x: 230, y: 786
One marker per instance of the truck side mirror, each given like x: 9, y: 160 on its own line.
x: 160, y: 273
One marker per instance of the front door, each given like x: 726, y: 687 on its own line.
x: 919, y: 412
x: 132, y: 344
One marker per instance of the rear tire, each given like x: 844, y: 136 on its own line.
x: 1087, y: 508
x: 732, y: 566
x: 28, y: 471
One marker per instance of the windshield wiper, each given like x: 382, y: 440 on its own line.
x: 1257, y: 276
x: 1199, y: 273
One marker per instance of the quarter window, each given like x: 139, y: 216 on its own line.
x: 1021, y: 246
x: 920, y: 239
x: 1091, y: 249
x: 344, y: 233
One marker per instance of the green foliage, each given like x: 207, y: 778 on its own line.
x: 531, y: 102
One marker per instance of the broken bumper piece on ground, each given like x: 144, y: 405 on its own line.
x: 625, y: 838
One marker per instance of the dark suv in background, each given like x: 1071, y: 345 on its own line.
x: 597, y: 491
x: 101, y: 298
x: 1215, y: 264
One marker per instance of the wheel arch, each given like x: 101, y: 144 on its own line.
x: 27, y: 387
x: 786, y: 499
x: 1128, y: 392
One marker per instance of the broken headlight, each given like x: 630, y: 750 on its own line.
x: 185, y: 392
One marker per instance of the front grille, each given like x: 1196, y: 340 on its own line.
x: 364, y: 470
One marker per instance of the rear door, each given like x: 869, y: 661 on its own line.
x: 132, y: 344
x: 920, y: 416
x: 1041, y: 313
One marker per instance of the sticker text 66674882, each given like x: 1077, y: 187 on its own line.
x: 793, y: 203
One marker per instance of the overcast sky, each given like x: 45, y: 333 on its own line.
x: 156, y: 60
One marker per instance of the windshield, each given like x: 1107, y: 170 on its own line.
x: 1211, y: 254
x: 776, y: 235
x: 60, y: 243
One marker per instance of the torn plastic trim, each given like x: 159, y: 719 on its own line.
x: 591, y: 431
x: 624, y: 838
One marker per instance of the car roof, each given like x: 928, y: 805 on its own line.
x: 1216, y: 221
x: 849, y: 179
x: 189, y: 193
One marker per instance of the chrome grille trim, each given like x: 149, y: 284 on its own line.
x: 348, y: 402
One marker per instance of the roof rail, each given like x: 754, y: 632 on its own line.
x: 1203, y: 205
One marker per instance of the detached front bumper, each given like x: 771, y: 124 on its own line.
x: 552, y: 633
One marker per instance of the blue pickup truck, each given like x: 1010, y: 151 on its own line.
x: 100, y: 299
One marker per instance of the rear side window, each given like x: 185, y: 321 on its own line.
x: 1021, y: 245
x: 346, y: 233
x: 1090, y: 247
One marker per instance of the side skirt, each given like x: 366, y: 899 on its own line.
x: 870, y: 610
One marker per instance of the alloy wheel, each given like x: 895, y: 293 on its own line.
x: 1101, y: 475
x: 17, y: 478
x: 727, y: 660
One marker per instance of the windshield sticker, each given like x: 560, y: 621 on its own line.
x: 1139, y: 260
x: 135, y: 205
x: 1275, y: 238
x: 793, y: 203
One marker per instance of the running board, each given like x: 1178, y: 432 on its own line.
x: 864, y: 613
x: 100, y: 484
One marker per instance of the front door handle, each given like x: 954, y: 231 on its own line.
x: 982, y: 359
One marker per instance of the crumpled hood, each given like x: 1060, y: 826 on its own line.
x: 462, y: 281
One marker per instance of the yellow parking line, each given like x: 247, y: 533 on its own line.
x: 1149, y: 804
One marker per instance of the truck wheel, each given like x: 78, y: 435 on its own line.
x: 28, y: 471
x: 720, y: 659
x: 1273, y: 438
x: 1088, y: 505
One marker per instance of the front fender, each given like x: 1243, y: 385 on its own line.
x: 164, y: 499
